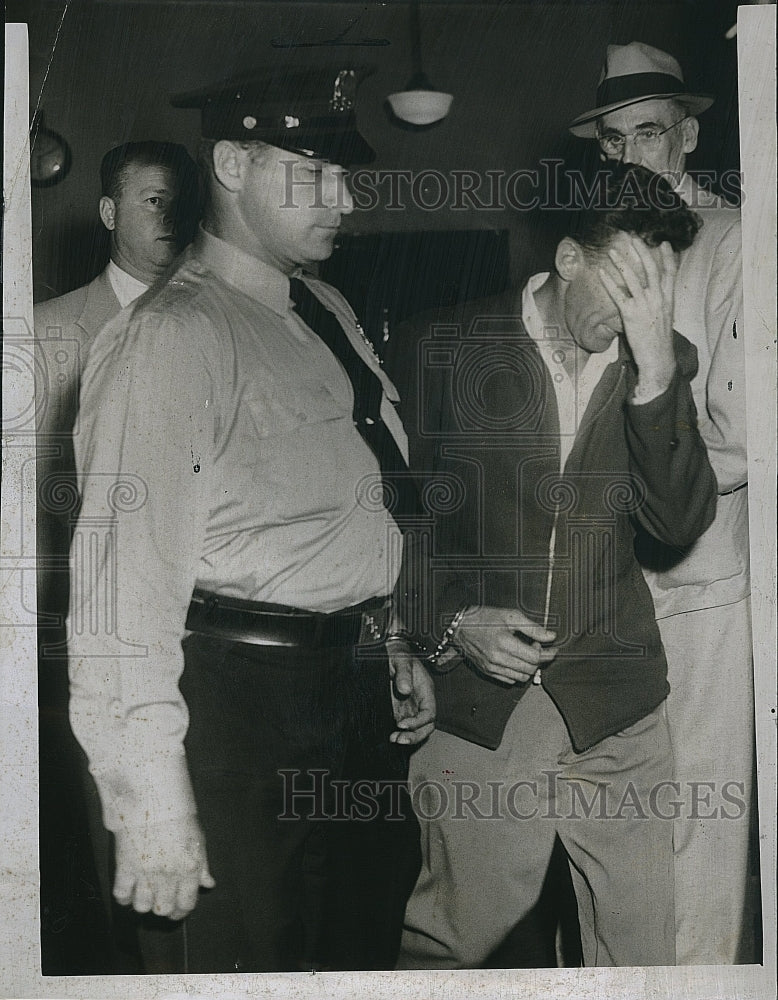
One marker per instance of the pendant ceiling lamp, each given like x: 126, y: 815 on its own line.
x: 419, y: 103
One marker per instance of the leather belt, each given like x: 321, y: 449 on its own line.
x: 278, y: 625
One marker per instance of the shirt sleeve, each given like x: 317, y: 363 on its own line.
x: 723, y: 425
x: 142, y: 454
x: 669, y: 460
x: 57, y: 400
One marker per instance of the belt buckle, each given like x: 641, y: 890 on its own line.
x: 373, y: 626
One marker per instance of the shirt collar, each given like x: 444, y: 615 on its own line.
x: 696, y: 196
x: 685, y: 189
x: 126, y: 288
x: 250, y: 275
x: 530, y: 313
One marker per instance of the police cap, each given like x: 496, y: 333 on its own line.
x: 307, y: 111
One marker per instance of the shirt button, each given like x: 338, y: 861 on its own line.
x: 674, y: 443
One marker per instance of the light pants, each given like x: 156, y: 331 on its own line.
x: 710, y: 711
x: 489, y: 820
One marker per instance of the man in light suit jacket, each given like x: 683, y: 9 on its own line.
x: 148, y: 202
x: 148, y: 189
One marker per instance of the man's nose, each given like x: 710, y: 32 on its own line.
x: 170, y: 210
x: 631, y: 152
x: 346, y: 200
x: 336, y: 194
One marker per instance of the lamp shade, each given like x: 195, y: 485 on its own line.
x: 420, y: 107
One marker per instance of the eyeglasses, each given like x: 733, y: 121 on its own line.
x: 613, y: 143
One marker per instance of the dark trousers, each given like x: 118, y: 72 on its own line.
x: 270, y: 730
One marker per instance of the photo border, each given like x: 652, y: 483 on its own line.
x: 19, y: 920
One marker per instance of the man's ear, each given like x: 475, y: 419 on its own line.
x: 228, y: 164
x: 108, y: 212
x: 690, y: 129
x: 569, y: 258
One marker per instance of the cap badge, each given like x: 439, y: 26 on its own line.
x: 343, y: 91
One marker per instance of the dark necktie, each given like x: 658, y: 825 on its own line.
x: 400, y: 494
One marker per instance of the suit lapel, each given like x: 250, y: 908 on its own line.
x: 101, y: 305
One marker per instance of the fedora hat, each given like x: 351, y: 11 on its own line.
x: 634, y: 73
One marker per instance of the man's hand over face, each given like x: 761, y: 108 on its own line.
x: 641, y: 282
x: 503, y: 643
x: 160, y: 869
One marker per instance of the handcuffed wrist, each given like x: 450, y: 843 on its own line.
x: 447, y: 638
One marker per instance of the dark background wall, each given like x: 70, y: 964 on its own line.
x: 519, y: 71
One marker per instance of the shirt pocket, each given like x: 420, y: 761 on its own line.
x: 287, y: 408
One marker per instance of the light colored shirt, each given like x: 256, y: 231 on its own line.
x: 126, y: 288
x: 708, y: 311
x: 216, y: 448
x: 572, y: 392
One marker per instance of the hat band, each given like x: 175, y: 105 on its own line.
x: 637, y: 86
x: 236, y: 120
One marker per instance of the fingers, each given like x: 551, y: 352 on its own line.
x: 401, y: 666
x: 172, y: 897
x: 627, y: 272
x: 535, y: 633
x: 669, y: 260
x: 414, y: 709
x: 510, y: 675
x: 407, y: 737
x: 508, y: 651
x: 417, y: 718
x: 165, y: 901
x: 647, y: 261
x: 186, y: 900
x: 669, y: 271
x: 171, y: 888
x: 636, y: 260
x: 123, y: 886
x: 517, y: 621
x: 612, y: 289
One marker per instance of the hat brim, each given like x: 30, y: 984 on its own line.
x: 346, y: 148
x: 585, y: 125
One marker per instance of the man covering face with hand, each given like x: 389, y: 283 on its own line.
x: 567, y: 416
x: 646, y: 115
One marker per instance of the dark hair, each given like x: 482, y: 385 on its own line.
x: 147, y: 154
x: 631, y: 199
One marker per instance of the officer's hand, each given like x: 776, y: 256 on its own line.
x: 161, y: 867
x: 643, y: 290
x: 413, y: 694
x: 503, y: 643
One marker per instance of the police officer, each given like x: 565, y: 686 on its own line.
x: 247, y: 428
